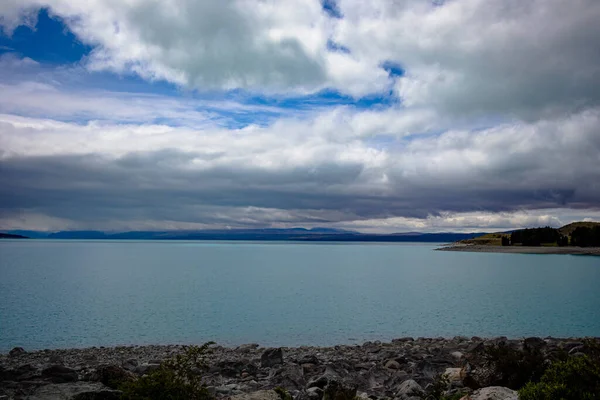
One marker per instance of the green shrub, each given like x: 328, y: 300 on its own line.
x: 514, y: 368
x: 578, y: 378
x: 177, y: 379
x: 283, y: 393
x: 438, y: 388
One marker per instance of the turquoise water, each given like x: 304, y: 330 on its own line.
x: 91, y: 293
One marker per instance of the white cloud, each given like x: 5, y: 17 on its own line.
x: 303, y: 169
x: 511, y: 58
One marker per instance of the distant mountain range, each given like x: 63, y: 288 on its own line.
x: 11, y: 236
x: 294, y: 234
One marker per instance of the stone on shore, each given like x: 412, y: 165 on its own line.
x: 400, y: 370
x: 258, y: 395
x: 271, y: 357
x: 17, y: 351
x: 112, y: 376
x: 492, y: 393
x: 409, y: 390
x: 60, y: 374
x: 75, y: 391
x: 338, y: 391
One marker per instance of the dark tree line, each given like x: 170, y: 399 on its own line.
x: 580, y: 237
x: 535, y: 236
x: 586, y: 237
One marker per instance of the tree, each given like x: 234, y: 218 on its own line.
x: 563, y: 241
x: 505, y: 241
x: 586, y: 237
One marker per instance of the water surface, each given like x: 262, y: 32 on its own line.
x: 91, y: 293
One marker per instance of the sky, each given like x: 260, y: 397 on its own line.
x: 378, y: 116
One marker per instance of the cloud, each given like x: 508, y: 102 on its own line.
x: 109, y: 172
x: 514, y: 58
x: 523, y: 58
x: 208, y: 44
x: 36, y: 99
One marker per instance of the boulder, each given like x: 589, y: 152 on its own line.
x: 146, y: 368
x: 392, y: 364
x: 16, y: 351
x: 492, y: 393
x: 24, y: 372
x: 309, y: 359
x: 75, y: 391
x: 258, y: 395
x: 319, y: 382
x: 409, y: 390
x: 336, y: 390
x: 290, y: 376
x: 55, y: 359
x: 112, y: 376
x: 271, y: 357
x: 403, y: 340
x: 60, y: 374
x: 247, y: 348
x: 534, y: 343
x: 454, y: 376
x: 130, y: 364
x: 314, y: 393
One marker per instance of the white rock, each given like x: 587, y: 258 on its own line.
x: 454, y: 376
x: 493, y: 393
x: 259, y: 395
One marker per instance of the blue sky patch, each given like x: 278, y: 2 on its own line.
x: 50, y: 42
x: 331, y: 7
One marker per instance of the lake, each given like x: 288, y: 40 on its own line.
x: 58, y: 294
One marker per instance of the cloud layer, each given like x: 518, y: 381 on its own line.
x: 494, y: 123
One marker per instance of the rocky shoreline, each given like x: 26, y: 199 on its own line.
x: 404, y: 369
x: 479, y: 248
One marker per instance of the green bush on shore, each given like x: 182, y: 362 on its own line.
x: 177, y: 379
x: 578, y: 378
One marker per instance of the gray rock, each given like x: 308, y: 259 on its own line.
x: 112, y: 376
x: 314, y: 392
x: 309, y: 359
x: 362, y: 396
x: 392, y: 364
x: 290, y: 377
x: 75, y: 391
x: 403, y: 340
x: 258, y: 395
x: 454, y: 376
x: 457, y: 355
x: 534, y: 343
x: 60, y: 374
x: 146, y: 368
x: 319, y: 382
x: 493, y: 393
x: 130, y: 364
x: 271, y: 357
x: 16, y: 351
x: 247, y: 348
x: 409, y: 390
x: 336, y: 390
x: 24, y: 372
x: 55, y: 359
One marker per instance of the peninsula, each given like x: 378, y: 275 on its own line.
x: 578, y: 238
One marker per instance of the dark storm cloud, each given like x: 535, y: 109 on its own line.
x: 163, y: 185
